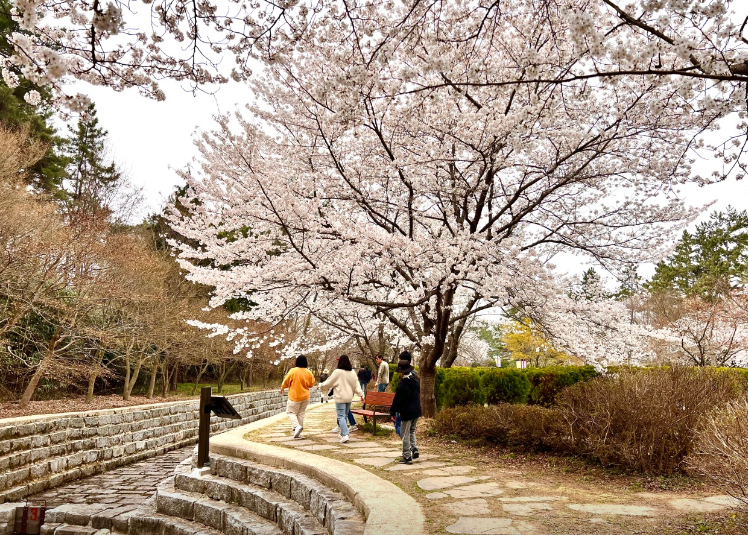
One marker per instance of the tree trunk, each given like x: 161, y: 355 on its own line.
x: 31, y: 387
x: 152, y: 381
x: 94, y: 374
x: 174, y: 379
x: 199, y: 376
x: 221, y: 375
x: 427, y: 375
x: 125, y: 391
x: 28, y: 393
x: 134, y: 379
x: 381, y: 341
x: 165, y: 377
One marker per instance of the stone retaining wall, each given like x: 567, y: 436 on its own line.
x: 40, y: 452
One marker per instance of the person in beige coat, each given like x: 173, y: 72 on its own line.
x: 344, y: 381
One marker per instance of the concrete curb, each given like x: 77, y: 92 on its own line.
x: 386, y: 507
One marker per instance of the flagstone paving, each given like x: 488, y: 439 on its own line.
x: 126, y: 487
x: 461, y: 498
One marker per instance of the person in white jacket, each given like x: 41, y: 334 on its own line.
x: 344, y: 381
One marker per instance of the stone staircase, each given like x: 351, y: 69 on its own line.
x: 234, y: 497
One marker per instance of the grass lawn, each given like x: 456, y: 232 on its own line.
x: 185, y: 389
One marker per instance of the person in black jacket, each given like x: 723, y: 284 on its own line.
x: 407, y: 404
x: 405, y: 355
x: 364, y: 377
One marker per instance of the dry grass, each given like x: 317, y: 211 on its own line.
x: 721, y: 450
x: 643, y: 420
x: 74, y: 404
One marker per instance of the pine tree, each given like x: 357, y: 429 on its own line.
x: 92, y: 178
x: 630, y: 283
x: 589, y: 287
x: 711, y: 261
x: 49, y: 172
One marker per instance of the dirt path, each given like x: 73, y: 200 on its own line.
x: 465, y: 491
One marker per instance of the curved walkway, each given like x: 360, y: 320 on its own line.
x: 459, y: 494
x: 386, y: 508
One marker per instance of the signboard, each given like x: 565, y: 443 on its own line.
x: 222, y: 408
x: 219, y: 406
x: 29, y: 519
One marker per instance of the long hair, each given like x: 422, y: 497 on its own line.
x: 301, y: 361
x: 344, y: 363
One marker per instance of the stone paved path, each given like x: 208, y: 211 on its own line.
x: 460, y: 498
x: 128, y: 486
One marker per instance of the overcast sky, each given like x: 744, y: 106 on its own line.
x: 150, y: 139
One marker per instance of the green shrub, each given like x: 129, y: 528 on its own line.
x: 538, y: 386
x: 548, y: 382
x: 461, y: 386
x: 394, y: 377
x: 527, y: 426
x: 504, y: 386
x: 646, y: 419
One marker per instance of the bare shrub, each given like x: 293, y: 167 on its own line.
x: 529, y: 426
x: 720, y: 452
x: 643, y: 419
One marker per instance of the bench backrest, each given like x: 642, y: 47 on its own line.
x: 379, y: 399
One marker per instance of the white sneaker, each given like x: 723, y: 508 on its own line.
x: 344, y: 439
x: 353, y: 428
x: 335, y: 429
x: 297, y: 431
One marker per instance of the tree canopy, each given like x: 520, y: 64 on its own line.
x: 710, y: 261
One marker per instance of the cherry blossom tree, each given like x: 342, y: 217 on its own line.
x: 700, y: 331
x: 700, y: 46
x: 363, y: 181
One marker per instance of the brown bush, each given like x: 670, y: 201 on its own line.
x: 529, y: 426
x: 646, y: 419
x: 720, y: 452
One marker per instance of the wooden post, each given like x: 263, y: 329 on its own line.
x: 203, y: 439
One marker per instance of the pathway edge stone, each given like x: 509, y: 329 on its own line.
x: 386, y: 507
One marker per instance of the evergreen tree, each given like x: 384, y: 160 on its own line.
x: 711, y: 261
x: 630, y: 283
x: 589, y: 287
x: 48, y: 173
x: 92, y: 177
x: 493, y: 335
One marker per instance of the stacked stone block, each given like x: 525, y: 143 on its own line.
x: 233, y: 497
x: 41, y: 452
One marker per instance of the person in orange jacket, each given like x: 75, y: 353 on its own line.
x: 298, y: 380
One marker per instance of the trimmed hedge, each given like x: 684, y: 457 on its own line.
x: 458, y: 386
x: 646, y: 420
x: 549, y: 382
x: 535, y: 386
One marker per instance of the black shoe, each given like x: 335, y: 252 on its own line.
x: 405, y: 461
x: 416, y: 455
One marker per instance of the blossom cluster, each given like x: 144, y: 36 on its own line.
x: 401, y: 176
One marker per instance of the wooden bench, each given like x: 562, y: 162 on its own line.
x: 376, y: 400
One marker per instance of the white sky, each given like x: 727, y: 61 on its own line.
x: 151, y: 139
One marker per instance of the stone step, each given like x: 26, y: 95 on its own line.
x: 147, y: 521
x: 231, y: 517
x: 331, y: 509
x: 71, y: 529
